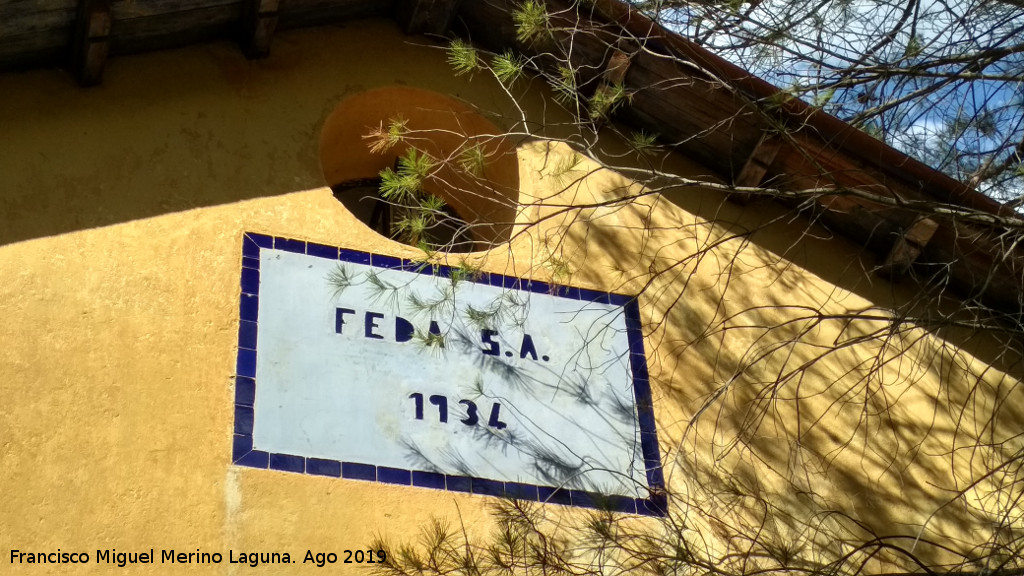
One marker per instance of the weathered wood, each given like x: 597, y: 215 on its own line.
x: 425, y: 16
x: 753, y: 171
x: 14, y: 22
x: 490, y: 24
x: 908, y: 247
x: 302, y: 13
x: 259, y: 20
x: 128, y: 9
x: 37, y: 49
x: 616, y: 68
x: 756, y: 166
x: 91, y: 41
x: 219, y: 21
x: 30, y: 6
x: 174, y: 30
x: 698, y: 116
x: 970, y: 261
x: 978, y: 265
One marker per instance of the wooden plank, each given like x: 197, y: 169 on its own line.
x: 128, y: 9
x: 91, y: 41
x: 756, y: 166
x: 810, y: 163
x: 174, y: 30
x: 976, y: 264
x: 306, y: 13
x: 425, y: 16
x: 259, y: 20
x: 37, y: 40
x: 36, y: 5
x: 908, y: 247
x: 868, y: 226
x: 973, y: 262
x: 696, y: 115
x: 490, y: 24
x: 14, y: 22
x: 753, y: 171
x: 689, y: 97
x: 665, y: 99
x: 47, y: 48
x: 616, y: 68
x: 29, y: 8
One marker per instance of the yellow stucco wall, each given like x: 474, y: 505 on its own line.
x: 122, y: 211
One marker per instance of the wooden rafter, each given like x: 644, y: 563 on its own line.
x: 91, y: 41
x: 756, y: 166
x: 425, y: 16
x: 611, y: 82
x: 908, y: 247
x: 616, y: 68
x: 259, y: 20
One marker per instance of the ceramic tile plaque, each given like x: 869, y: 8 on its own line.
x: 372, y: 368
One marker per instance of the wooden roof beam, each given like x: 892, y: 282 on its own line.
x: 908, y: 247
x: 612, y: 80
x: 91, y: 41
x: 432, y: 17
x: 756, y: 166
x: 616, y: 68
x: 259, y: 20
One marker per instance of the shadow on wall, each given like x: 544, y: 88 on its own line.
x: 155, y: 139
x: 801, y: 414
x: 201, y: 126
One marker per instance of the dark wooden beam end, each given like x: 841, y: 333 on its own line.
x: 616, y: 68
x: 90, y: 44
x: 259, y: 20
x: 908, y: 247
x: 432, y: 17
x: 756, y: 166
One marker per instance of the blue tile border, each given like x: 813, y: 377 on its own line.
x: 287, y: 463
x: 245, y: 391
x: 250, y: 281
x: 488, y: 487
x: 288, y: 245
x: 521, y: 491
x: 246, y: 365
x: 554, y: 495
x: 243, y: 453
x: 244, y: 420
x: 428, y: 479
x: 241, y: 446
x: 248, y: 308
x: 321, y: 251
x: 259, y: 240
x: 354, y: 256
x: 387, y: 262
x: 250, y: 249
x: 459, y: 483
x: 394, y: 475
x: 357, y: 471
x: 320, y: 467
x: 247, y: 335
x: 254, y: 459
